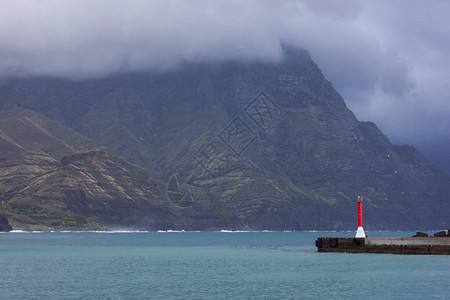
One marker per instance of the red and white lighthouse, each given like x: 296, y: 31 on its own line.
x: 360, y: 232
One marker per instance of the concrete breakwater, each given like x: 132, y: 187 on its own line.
x: 406, y: 245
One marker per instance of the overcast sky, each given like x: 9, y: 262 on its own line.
x: 389, y: 59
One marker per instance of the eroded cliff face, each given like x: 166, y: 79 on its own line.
x: 4, y: 224
x: 255, y: 145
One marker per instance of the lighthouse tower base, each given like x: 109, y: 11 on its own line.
x: 360, y: 233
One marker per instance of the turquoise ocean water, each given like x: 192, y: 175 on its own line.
x: 209, y: 265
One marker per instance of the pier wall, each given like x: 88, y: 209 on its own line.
x: 385, y: 245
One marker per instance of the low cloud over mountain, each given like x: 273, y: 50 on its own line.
x: 389, y: 60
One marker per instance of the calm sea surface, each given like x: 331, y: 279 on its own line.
x: 209, y: 265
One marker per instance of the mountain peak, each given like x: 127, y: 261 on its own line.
x: 255, y: 146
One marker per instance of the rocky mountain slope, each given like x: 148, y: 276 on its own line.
x: 53, y: 178
x: 256, y: 145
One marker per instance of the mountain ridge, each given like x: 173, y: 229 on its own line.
x: 297, y: 142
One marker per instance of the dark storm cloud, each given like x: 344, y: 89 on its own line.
x: 389, y: 59
x: 90, y: 38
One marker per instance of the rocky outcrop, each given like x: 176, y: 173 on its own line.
x: 420, y: 234
x: 4, y: 224
x: 81, y: 156
x: 440, y: 234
